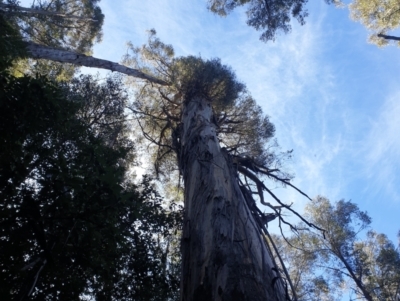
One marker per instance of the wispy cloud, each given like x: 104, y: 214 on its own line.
x: 382, y: 149
x: 318, y: 84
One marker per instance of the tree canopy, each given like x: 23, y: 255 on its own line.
x: 72, y: 224
x: 379, y: 17
x: 73, y: 25
x: 70, y: 25
x: 242, y: 127
x: 268, y: 16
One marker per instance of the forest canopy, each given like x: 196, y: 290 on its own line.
x: 76, y: 224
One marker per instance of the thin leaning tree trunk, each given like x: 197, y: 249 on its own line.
x: 8, y: 8
x: 37, y: 51
x: 224, y: 256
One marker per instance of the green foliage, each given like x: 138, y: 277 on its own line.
x: 102, y: 106
x: 380, y: 261
x: 73, y: 25
x: 270, y: 16
x: 246, y: 131
x: 195, y: 77
x: 71, y: 225
x: 378, y: 16
x: 301, y: 262
x: 242, y: 127
x: 11, y: 44
x: 369, y: 268
x: 342, y: 222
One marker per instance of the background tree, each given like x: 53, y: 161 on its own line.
x: 381, y: 262
x: 70, y: 25
x: 12, y: 46
x: 102, y: 107
x: 369, y: 267
x: 71, y: 224
x: 302, y: 262
x: 70, y: 42
x: 73, y: 25
x: 379, y: 17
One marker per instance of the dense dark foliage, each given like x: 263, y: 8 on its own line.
x: 71, y: 224
x: 11, y: 43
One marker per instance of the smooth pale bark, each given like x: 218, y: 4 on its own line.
x: 37, y: 51
x: 224, y: 256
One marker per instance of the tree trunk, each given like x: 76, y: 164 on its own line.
x: 15, y: 9
x: 357, y: 280
x: 224, y: 256
x: 37, y: 51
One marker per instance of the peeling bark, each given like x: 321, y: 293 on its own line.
x: 37, y: 51
x: 224, y: 256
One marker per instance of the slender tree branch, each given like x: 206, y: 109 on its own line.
x: 386, y: 37
x: 282, y: 264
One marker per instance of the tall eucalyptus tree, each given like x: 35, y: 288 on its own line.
x: 207, y: 122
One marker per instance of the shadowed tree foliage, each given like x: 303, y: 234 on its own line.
x: 71, y: 225
x: 12, y: 46
x: 103, y: 103
x: 268, y: 16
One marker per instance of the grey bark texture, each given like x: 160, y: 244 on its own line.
x: 37, y: 51
x: 224, y: 256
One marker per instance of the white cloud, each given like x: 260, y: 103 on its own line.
x: 382, y: 148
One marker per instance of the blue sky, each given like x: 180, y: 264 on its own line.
x: 334, y: 98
